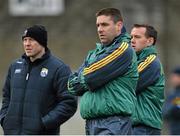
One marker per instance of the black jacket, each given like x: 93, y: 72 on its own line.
x: 35, y: 96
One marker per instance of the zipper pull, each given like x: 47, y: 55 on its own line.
x: 27, y: 76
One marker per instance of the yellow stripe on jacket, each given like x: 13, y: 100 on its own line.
x: 145, y: 63
x: 106, y: 60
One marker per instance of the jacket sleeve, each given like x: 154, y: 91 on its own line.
x: 6, y: 96
x: 149, y: 72
x: 66, y: 104
x: 109, y: 67
x: 76, y: 84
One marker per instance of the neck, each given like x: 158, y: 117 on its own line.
x: 107, y: 44
x: 39, y: 55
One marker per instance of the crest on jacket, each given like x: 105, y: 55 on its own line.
x: 44, y: 72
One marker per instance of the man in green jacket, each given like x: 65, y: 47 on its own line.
x: 107, y: 79
x: 150, y: 87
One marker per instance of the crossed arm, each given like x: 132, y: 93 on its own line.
x: 109, y: 66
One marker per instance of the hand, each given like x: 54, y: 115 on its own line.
x: 75, y: 85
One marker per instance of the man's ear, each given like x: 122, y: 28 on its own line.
x: 119, y: 25
x: 150, y: 41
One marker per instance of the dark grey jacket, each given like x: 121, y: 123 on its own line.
x: 35, y: 96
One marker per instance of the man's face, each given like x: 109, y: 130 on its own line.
x: 138, y: 39
x: 32, y: 48
x: 175, y: 80
x: 107, y: 29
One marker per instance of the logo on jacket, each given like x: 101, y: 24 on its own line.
x: 44, y: 72
x: 17, y: 71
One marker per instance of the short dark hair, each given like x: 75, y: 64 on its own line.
x: 113, y: 12
x: 176, y: 70
x: 150, y: 31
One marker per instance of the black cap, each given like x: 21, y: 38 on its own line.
x: 38, y: 33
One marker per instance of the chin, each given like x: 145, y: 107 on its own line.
x: 104, y: 42
x: 29, y: 55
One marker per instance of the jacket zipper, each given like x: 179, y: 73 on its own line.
x: 27, y: 76
x: 25, y: 87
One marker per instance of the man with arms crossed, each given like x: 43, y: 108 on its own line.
x: 150, y: 87
x: 107, y: 79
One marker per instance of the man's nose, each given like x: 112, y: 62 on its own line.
x: 100, y: 29
x: 27, y: 43
x: 132, y: 40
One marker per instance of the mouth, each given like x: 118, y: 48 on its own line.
x: 102, y: 36
x: 28, y: 50
x: 133, y: 45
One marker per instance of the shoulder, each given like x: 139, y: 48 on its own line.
x: 172, y: 95
x: 119, y: 48
x: 16, y: 64
x: 56, y: 62
x: 19, y: 61
x: 151, y: 61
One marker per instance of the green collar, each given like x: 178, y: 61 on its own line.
x: 146, y: 52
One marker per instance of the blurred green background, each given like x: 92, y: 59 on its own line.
x: 73, y: 33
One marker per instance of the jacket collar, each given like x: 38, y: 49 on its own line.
x: 146, y: 52
x: 44, y: 57
x: 123, y: 37
x: 178, y: 88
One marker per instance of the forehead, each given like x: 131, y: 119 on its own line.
x: 27, y: 38
x: 138, y: 31
x: 103, y: 18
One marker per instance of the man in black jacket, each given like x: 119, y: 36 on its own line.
x: 35, y: 96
